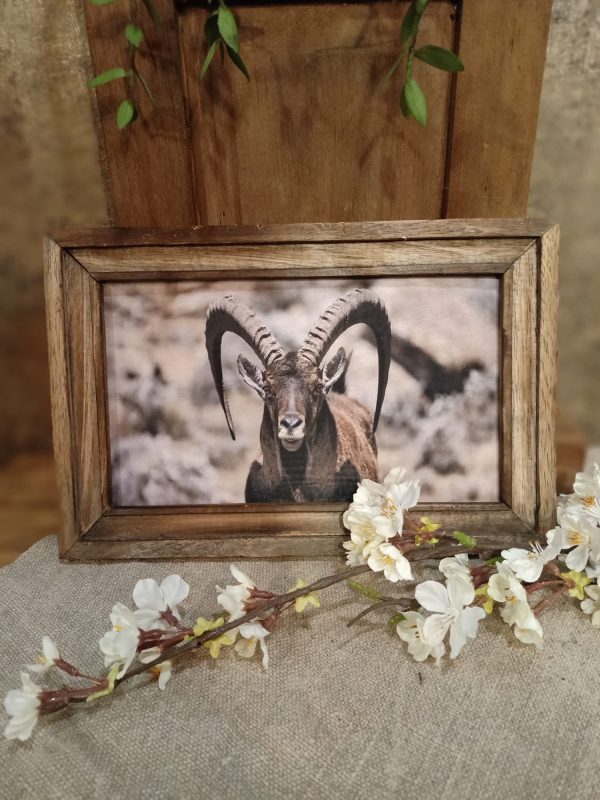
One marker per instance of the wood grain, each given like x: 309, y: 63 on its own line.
x: 286, y: 522
x: 449, y: 257
x: 409, y: 231
x: 523, y: 381
x: 548, y: 254
x: 495, y: 110
x: 147, y: 166
x: 60, y: 393
x: 312, y: 136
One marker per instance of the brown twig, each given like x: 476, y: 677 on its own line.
x: 375, y: 607
x: 549, y: 600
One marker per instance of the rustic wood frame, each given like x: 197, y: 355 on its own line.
x: 522, y: 253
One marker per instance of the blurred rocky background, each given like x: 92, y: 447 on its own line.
x: 170, y: 443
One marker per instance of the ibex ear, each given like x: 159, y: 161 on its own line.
x: 334, y: 372
x: 252, y: 375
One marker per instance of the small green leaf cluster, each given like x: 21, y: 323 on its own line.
x: 221, y: 31
x: 127, y: 111
x: 413, y: 102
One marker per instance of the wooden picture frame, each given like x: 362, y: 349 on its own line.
x: 523, y: 254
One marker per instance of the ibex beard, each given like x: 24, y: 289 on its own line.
x: 316, y: 442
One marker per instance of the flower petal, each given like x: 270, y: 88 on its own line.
x: 174, y: 590
x: 460, y: 591
x: 435, y: 628
x: 433, y: 596
x: 147, y: 594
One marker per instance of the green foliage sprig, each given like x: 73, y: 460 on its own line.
x: 413, y: 103
x: 221, y: 31
x: 134, y: 35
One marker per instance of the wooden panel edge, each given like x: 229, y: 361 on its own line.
x: 524, y: 387
x: 303, y: 232
x: 548, y: 301
x: 60, y: 401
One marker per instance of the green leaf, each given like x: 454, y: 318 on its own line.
x: 464, y: 539
x: 211, y: 29
x: 410, y: 25
x: 440, y: 58
x: 228, y: 28
x: 366, y: 591
x: 101, y: 2
x: 494, y: 560
x: 125, y: 114
x: 237, y: 60
x: 111, y: 678
x: 152, y: 11
x: 420, y: 6
x: 209, y: 57
x: 414, y: 101
x: 393, y: 621
x: 134, y: 35
x: 109, y: 75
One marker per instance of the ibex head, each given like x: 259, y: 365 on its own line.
x: 294, y: 385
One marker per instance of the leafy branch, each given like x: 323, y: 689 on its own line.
x: 221, y: 31
x: 134, y: 35
x: 413, y: 103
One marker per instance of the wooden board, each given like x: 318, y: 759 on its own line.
x: 525, y: 267
x: 495, y: 108
x: 312, y: 137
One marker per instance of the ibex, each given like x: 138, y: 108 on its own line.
x: 316, y: 442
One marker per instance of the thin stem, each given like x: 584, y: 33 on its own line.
x: 272, y: 604
x: 375, y: 607
x: 534, y: 587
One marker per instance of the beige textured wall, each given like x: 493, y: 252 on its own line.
x: 49, y: 177
x: 565, y: 187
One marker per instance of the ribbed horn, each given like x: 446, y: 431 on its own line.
x: 229, y: 316
x: 356, y: 306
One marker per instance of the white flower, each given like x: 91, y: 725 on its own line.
x: 23, y: 708
x: 252, y: 633
x: 529, y: 564
x: 149, y: 596
x: 122, y: 618
x: 119, y: 646
x: 47, y: 658
x: 591, y: 605
x: 527, y: 627
x: 410, y: 630
x: 397, y: 498
x: 587, y: 490
x: 363, y: 537
x: 233, y: 597
x: 579, y: 532
x: 392, y: 562
x: 449, y: 604
x: 456, y: 565
x: 503, y: 587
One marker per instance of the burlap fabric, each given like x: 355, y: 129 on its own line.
x: 341, y: 712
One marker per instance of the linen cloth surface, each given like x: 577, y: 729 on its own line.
x: 342, y: 712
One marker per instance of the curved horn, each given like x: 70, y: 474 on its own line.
x: 227, y: 315
x: 356, y: 306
